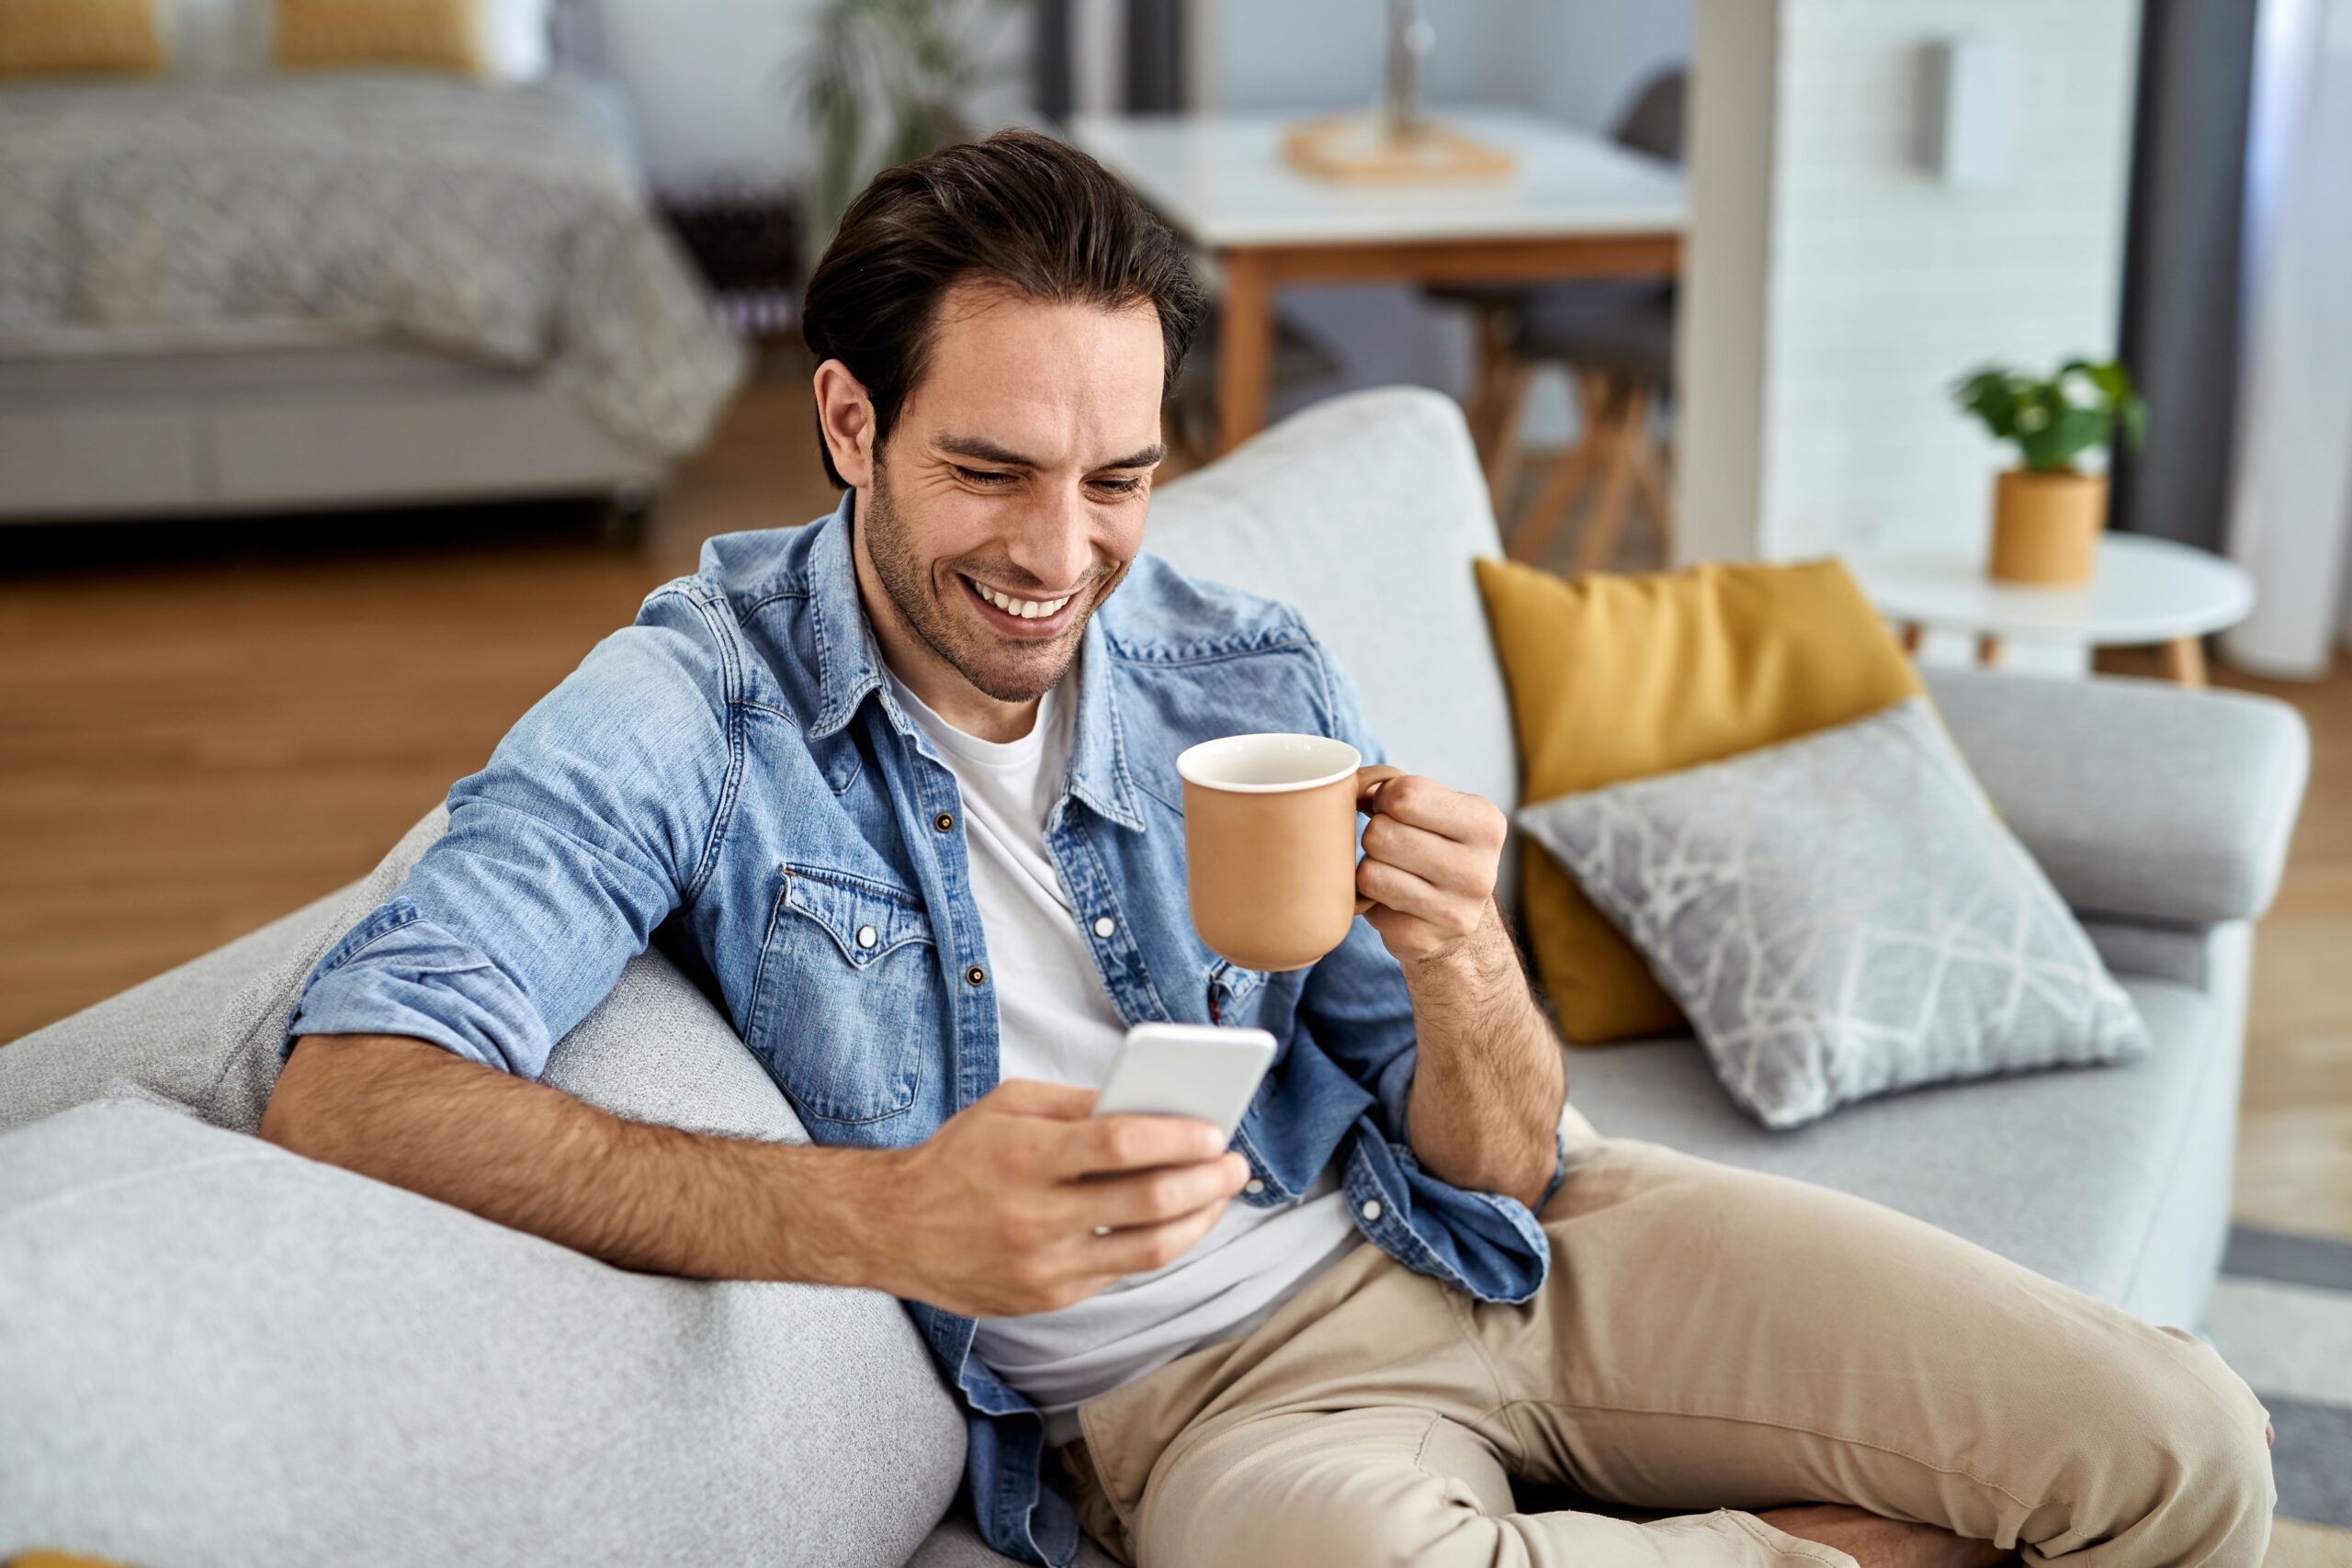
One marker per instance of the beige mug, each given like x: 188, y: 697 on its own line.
x: 1270, y: 844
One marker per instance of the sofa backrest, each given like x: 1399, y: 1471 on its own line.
x: 1364, y: 514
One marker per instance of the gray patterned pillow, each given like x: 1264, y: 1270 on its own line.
x: 1840, y: 915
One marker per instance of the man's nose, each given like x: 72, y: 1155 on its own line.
x: 1055, y: 545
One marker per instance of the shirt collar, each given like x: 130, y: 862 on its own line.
x: 849, y: 670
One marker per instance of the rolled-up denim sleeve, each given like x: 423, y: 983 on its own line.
x: 596, y: 815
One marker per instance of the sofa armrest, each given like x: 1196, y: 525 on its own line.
x: 2138, y: 797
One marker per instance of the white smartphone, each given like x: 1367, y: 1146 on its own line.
x: 1188, y: 1069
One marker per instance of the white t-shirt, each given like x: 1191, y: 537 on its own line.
x: 1056, y: 1022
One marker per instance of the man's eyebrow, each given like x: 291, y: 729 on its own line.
x: 988, y: 451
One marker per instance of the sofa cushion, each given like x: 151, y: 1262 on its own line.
x: 2139, y: 798
x: 212, y: 1350
x: 204, y: 1038
x: 1363, y: 513
x: 1615, y: 678
x: 80, y: 37
x: 2112, y: 1179
x: 1839, y: 915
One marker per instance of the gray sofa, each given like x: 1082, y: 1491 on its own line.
x: 213, y: 1351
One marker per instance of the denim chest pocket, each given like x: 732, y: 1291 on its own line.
x: 843, y: 1005
x: 1230, y: 990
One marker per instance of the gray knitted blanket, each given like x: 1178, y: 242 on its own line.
x: 503, y: 222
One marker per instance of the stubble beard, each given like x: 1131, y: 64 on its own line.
x: 1008, y: 671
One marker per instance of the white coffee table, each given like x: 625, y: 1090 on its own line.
x: 1576, y: 206
x: 2145, y: 591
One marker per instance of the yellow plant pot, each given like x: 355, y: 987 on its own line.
x: 2046, y: 527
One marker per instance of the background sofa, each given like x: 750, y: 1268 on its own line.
x: 214, y: 1351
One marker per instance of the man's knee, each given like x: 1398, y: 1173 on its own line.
x: 2230, y: 1454
x: 2200, y: 1431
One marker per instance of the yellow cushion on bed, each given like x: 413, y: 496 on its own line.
x: 1623, y: 677
x: 437, y: 34
x: 80, y: 37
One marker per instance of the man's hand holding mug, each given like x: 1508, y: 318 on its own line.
x: 1269, y: 842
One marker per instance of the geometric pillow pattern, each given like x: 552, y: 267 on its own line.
x: 1839, y: 915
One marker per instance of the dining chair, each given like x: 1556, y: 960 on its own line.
x: 1615, y: 338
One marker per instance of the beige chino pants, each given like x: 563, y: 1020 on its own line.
x: 1710, y: 1341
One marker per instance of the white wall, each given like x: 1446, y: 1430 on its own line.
x: 1829, y: 308
x: 712, y: 83
x: 709, y: 82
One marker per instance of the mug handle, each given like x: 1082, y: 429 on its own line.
x: 1368, y: 782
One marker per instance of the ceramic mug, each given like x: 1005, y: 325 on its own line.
x: 1270, y: 844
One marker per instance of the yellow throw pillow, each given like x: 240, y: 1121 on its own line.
x: 437, y: 34
x: 1615, y: 678
x: 80, y: 37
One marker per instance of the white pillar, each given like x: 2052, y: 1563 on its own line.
x: 1836, y: 287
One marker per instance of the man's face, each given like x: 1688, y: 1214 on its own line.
x: 1009, y: 497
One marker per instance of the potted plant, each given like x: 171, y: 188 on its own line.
x: 2047, y: 512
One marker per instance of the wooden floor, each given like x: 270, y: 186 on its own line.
x: 205, y: 725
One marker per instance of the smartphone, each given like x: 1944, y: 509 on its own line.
x: 1188, y: 1069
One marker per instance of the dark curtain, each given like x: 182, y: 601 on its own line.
x: 1155, y: 56
x: 1050, y: 82
x: 1153, y: 80
x: 2181, y: 269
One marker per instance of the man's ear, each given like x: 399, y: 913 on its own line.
x: 845, y: 415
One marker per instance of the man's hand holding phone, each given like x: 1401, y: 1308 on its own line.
x: 1000, y: 1207
x: 997, y: 1213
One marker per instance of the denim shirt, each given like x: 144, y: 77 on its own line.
x: 734, y: 762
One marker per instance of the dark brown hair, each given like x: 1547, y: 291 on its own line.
x: 1019, y: 209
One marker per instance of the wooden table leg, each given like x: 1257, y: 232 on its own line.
x: 1245, y: 349
x: 1528, y: 536
x: 1596, y: 547
x: 1988, y: 650
x: 2185, y: 660
x: 1913, y: 635
x: 1490, y: 336
x: 1507, y: 400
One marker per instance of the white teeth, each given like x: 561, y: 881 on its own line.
x: 1027, y: 609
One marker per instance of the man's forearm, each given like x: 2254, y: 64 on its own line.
x: 648, y: 1198
x: 1490, y: 1083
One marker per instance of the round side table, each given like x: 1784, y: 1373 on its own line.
x: 2145, y: 591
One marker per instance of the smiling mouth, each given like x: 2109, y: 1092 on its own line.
x: 1031, y: 609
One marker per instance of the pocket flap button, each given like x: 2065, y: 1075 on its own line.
x: 866, y: 937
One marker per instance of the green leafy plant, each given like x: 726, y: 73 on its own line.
x: 2085, y: 406
x: 882, y: 82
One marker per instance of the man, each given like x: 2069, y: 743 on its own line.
x: 902, y: 784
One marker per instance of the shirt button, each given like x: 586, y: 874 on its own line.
x: 866, y: 937
x: 1255, y: 1185
x: 1371, y: 1210
x: 976, y: 975
x: 1104, y: 925
x: 944, y: 821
